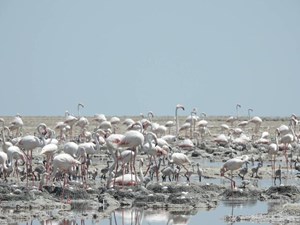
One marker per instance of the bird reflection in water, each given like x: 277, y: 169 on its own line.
x: 63, y: 222
x: 139, y: 216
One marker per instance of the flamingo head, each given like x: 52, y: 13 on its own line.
x: 178, y: 106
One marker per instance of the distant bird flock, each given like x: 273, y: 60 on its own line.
x: 136, y: 152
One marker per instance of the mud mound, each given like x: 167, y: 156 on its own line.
x: 178, y: 188
x: 69, y: 193
x: 283, y: 192
x: 243, y: 194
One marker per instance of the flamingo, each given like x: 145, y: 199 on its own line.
x: 71, y: 121
x: 105, y: 125
x: 160, y: 130
x: 199, y: 171
x: 5, y: 144
x: 169, y: 124
x: 125, y: 157
x: 14, y: 152
x: 286, y: 140
x: 3, y: 162
x: 232, y: 165
x: 169, y: 138
x: 128, y: 122
x: 62, y: 128
x: 249, y: 114
x: 112, y: 145
x: 16, y: 124
x: 71, y: 148
x: 180, y: 159
x: 185, y: 127
x: 273, y: 150
x: 127, y: 179
x: 49, y: 150
x: 2, y: 121
x: 88, y: 149
x: 168, y: 172
x: 232, y: 119
x: 178, y: 106
x: 192, y: 119
x: 64, y: 163
x: 132, y: 139
x: 222, y: 140
x: 82, y: 122
x: 114, y: 122
x: 29, y: 143
x: 152, y: 151
x: 257, y: 121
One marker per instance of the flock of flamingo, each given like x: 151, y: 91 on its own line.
x: 66, y: 157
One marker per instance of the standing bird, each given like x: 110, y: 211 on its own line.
x: 65, y: 164
x: 169, y: 124
x: 180, y: 159
x: 232, y: 119
x: 273, y: 149
x: 3, y: 162
x: 105, y: 170
x: 286, y: 139
x: 257, y: 123
x: 255, y: 169
x: 243, y: 171
x: 277, y: 175
x: 14, y: 153
x: 127, y: 179
x: 5, y: 144
x: 232, y: 165
x: 199, y: 171
x: 29, y: 143
x: 176, y: 117
x: 70, y: 120
x: 49, y: 151
x: 168, y: 172
x: 16, y: 125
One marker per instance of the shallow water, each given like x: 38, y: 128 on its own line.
x: 138, y: 216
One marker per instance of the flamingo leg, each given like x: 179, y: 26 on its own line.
x: 286, y: 156
x: 150, y: 159
x: 232, y: 182
x: 117, y: 166
x: 134, y: 157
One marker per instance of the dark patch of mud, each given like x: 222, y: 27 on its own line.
x: 19, y: 204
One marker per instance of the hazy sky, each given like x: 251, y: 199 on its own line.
x: 130, y: 57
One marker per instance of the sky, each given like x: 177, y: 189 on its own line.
x: 130, y: 57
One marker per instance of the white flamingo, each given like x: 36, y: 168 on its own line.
x: 257, y: 121
x: 3, y: 163
x: 232, y: 119
x: 65, y: 164
x: 114, y: 121
x: 180, y: 159
x: 127, y: 179
x: 178, y: 106
x: 16, y: 125
x: 232, y: 165
x: 49, y: 151
x: 169, y: 124
x: 71, y: 121
x: 273, y: 150
x: 5, y: 144
x: 286, y: 140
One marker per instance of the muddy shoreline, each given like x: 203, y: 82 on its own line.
x: 21, y: 204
